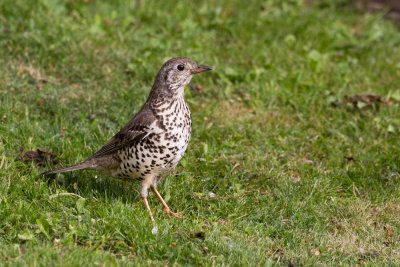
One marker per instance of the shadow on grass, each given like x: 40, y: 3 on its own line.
x: 89, y: 184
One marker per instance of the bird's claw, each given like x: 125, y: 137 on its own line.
x: 173, y: 214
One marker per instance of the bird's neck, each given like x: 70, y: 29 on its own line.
x: 162, y: 104
x: 161, y: 96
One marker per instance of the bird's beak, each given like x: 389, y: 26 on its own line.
x: 201, y: 68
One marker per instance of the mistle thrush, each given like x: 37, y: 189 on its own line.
x: 155, y: 139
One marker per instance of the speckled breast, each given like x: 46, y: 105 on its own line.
x: 158, y: 153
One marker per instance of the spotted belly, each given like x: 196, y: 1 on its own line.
x: 151, y: 156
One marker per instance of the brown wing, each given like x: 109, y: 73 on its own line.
x: 143, y: 124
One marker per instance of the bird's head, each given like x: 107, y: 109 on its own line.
x: 175, y: 74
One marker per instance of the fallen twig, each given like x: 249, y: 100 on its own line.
x: 217, y: 198
x: 65, y: 194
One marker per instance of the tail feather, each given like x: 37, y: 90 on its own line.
x: 79, y: 166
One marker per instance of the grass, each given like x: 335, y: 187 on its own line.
x: 271, y: 133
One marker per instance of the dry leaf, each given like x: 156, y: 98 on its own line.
x: 389, y: 233
x: 350, y: 159
x: 199, y: 235
x: 363, y: 101
x: 39, y: 156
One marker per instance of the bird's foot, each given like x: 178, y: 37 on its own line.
x: 173, y: 214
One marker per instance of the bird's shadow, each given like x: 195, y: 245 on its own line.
x: 89, y: 184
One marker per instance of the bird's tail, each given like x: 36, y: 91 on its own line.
x: 79, y: 166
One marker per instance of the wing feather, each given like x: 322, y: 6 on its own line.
x: 141, y: 126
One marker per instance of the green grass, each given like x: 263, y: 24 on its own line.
x: 269, y: 126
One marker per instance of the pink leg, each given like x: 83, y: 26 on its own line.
x: 148, y: 209
x: 167, y: 210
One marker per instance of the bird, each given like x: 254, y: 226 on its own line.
x: 155, y: 139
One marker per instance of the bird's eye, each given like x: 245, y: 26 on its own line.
x: 180, y: 67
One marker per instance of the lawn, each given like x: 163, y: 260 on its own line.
x: 294, y: 156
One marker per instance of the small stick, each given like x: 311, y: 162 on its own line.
x: 218, y: 198
x: 65, y: 194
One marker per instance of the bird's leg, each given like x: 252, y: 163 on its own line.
x: 144, y: 193
x: 148, y: 209
x: 167, y: 210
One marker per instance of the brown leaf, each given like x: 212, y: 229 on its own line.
x: 363, y: 101
x: 350, y: 159
x: 39, y: 156
x: 199, y: 235
x: 389, y: 233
